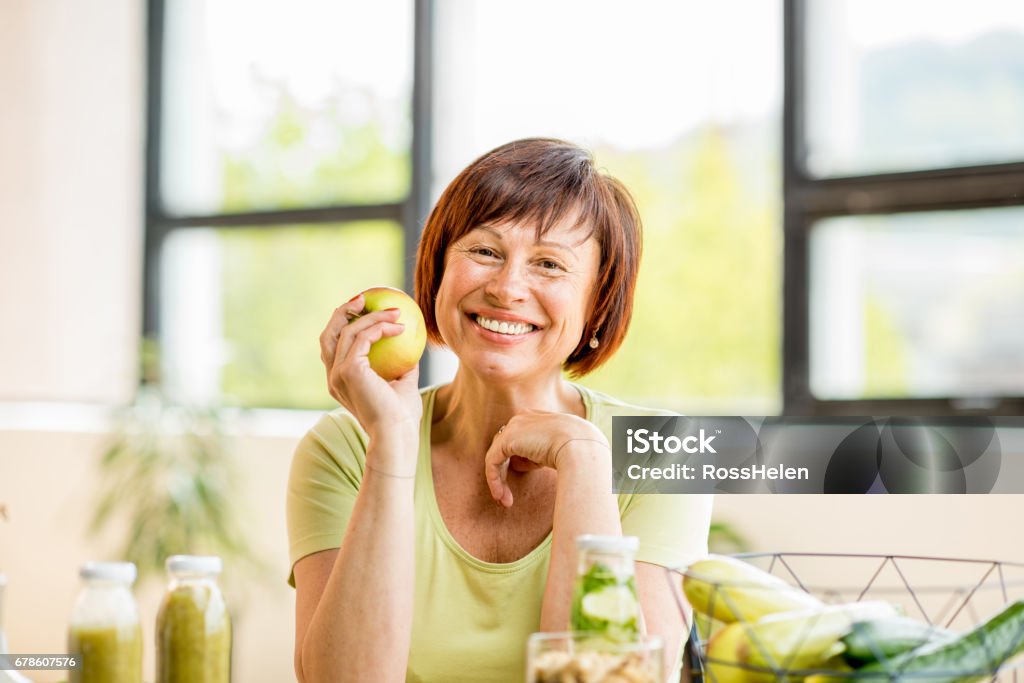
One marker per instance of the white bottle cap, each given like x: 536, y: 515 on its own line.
x: 123, y: 572
x: 608, y: 544
x: 194, y: 564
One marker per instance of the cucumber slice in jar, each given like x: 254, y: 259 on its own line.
x: 606, y: 605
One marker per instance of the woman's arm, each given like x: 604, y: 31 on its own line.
x: 675, y: 527
x: 358, y: 599
x: 584, y: 504
x: 354, y: 605
x: 661, y: 613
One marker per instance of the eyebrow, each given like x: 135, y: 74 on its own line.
x: 543, y: 243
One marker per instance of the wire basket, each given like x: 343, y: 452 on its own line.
x: 954, y: 594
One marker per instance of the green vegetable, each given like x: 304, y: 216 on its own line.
x: 878, y: 640
x: 976, y: 655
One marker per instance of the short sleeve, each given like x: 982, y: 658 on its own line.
x: 672, y: 527
x: 326, y: 472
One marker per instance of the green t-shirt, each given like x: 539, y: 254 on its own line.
x: 471, y: 618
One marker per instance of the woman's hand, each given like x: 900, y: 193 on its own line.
x: 540, y: 439
x: 376, y: 403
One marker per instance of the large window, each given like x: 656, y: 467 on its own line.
x: 682, y: 101
x: 904, y: 142
x: 295, y: 154
x: 285, y: 163
x: 291, y: 168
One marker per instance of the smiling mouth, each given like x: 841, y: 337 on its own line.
x: 503, y: 326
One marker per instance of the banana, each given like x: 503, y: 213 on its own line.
x: 766, y: 651
x: 722, y: 660
x: 807, y: 639
x: 842, y: 677
x: 731, y: 590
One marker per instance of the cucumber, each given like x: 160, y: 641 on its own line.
x: 879, y: 640
x: 974, y: 656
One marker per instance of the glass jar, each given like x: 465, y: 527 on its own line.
x: 193, y: 628
x: 7, y: 675
x: 104, y: 633
x: 559, y: 657
x: 604, y: 601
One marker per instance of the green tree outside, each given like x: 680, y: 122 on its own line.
x: 708, y: 309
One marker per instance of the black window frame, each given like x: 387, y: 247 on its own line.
x: 410, y: 212
x: 807, y: 199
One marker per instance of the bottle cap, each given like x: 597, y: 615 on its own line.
x: 608, y: 544
x: 194, y: 564
x: 123, y: 572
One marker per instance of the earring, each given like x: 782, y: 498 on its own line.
x: 594, y: 343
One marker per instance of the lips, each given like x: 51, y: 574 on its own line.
x: 508, y: 327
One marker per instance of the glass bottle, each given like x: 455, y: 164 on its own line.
x: 604, y: 601
x: 6, y: 675
x: 193, y: 628
x: 105, y: 634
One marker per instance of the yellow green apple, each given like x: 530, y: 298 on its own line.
x: 392, y: 357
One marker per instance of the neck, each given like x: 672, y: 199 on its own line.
x: 472, y: 409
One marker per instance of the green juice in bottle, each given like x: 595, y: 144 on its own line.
x: 105, y: 635
x: 193, y: 628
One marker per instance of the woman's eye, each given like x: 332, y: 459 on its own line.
x: 548, y: 264
x: 483, y: 251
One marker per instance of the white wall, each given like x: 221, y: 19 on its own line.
x: 968, y: 526
x: 71, y: 83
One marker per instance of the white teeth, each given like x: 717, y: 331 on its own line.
x: 503, y: 327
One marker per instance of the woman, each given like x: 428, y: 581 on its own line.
x: 433, y: 530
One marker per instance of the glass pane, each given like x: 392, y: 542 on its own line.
x: 918, y: 305
x: 279, y: 105
x: 244, y: 308
x: 681, y: 101
x: 914, y: 84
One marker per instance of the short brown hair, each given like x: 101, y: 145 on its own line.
x: 542, y: 180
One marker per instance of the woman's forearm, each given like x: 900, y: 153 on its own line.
x: 584, y: 504
x: 361, y: 628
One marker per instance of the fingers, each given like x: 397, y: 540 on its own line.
x: 345, y: 343
x: 357, y: 338
x: 496, y: 473
x: 520, y: 464
x: 341, y: 317
x: 352, y: 349
x: 345, y: 329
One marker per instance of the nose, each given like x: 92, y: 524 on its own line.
x: 507, y: 285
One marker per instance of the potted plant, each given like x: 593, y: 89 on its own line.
x: 167, y: 474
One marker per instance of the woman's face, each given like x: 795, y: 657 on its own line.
x: 511, y: 306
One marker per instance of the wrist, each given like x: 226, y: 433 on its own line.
x: 394, y: 450
x: 408, y: 476
x: 586, y: 453
x: 402, y: 433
